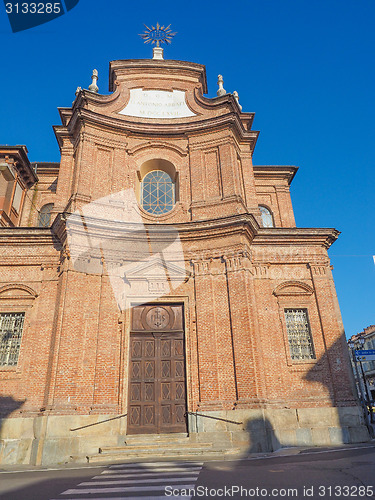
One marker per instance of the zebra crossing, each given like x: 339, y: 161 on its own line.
x: 147, y: 480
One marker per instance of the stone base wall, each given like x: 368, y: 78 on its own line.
x: 50, y: 439
x: 46, y: 440
x: 266, y: 430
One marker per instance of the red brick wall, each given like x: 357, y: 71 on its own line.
x: 74, y: 354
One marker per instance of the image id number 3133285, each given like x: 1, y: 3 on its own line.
x: 33, y: 8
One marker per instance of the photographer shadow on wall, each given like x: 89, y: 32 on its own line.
x: 9, y: 430
x: 262, y: 436
x: 333, y: 370
x: 333, y: 420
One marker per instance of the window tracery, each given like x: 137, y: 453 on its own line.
x: 158, y: 192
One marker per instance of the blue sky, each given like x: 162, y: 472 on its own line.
x: 305, y: 68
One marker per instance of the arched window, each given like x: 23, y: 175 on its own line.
x: 158, y: 192
x: 44, y: 219
x: 267, y: 217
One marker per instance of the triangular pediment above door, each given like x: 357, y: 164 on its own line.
x: 156, y: 267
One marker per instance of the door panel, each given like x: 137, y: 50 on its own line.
x: 157, y: 400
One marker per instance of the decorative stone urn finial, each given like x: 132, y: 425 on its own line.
x: 235, y: 95
x: 93, y: 87
x: 220, y: 82
x: 78, y: 90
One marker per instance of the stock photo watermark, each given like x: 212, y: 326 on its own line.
x: 108, y: 236
x: 237, y: 491
x: 27, y: 14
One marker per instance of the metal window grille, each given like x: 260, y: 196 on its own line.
x: 11, y: 326
x: 299, y: 334
x: 158, y: 195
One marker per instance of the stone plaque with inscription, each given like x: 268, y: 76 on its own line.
x: 157, y: 104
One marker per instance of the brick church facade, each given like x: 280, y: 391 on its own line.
x: 156, y: 275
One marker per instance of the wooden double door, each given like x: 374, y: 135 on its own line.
x: 157, y: 395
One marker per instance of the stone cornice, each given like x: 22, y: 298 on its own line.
x: 296, y: 236
x: 29, y: 259
x: 145, y: 128
x: 279, y: 172
x: 61, y: 133
x: 58, y: 228
x: 26, y: 236
x: 66, y: 114
x: 16, y: 157
x: 124, y: 67
x: 245, y: 224
x: 226, y: 101
x: 46, y: 168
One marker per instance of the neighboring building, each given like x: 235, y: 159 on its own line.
x: 367, y: 343
x: 156, y: 271
x: 16, y: 177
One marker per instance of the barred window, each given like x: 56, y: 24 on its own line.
x: 299, y: 334
x: 11, y: 326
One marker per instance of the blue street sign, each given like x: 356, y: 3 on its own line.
x: 365, y: 355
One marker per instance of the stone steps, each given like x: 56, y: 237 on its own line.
x: 160, y: 446
x: 151, y: 447
x: 156, y: 438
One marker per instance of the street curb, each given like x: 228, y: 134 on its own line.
x: 282, y: 452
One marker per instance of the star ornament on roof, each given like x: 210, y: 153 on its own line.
x: 158, y: 35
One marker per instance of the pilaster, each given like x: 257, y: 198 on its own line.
x: 333, y: 333
x: 236, y: 267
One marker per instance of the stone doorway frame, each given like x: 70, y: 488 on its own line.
x: 191, y: 358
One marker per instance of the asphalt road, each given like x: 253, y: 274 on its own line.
x: 347, y: 472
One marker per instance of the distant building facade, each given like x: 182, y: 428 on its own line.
x: 156, y: 273
x: 368, y: 336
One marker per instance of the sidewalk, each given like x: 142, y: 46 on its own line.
x: 287, y: 451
